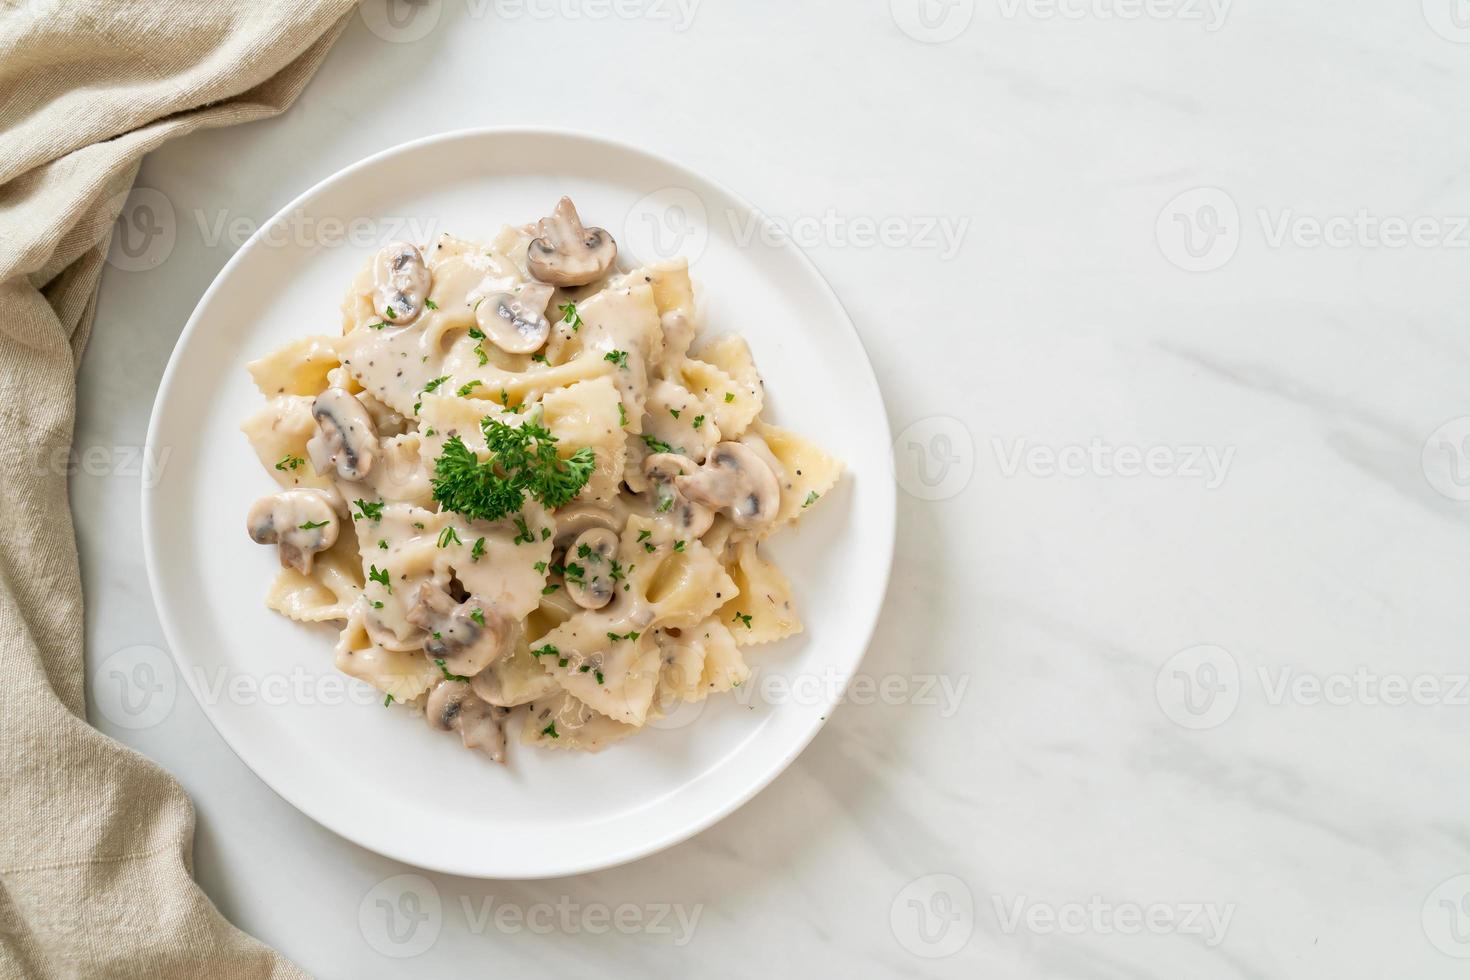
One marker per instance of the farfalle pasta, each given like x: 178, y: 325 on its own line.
x: 531, y: 496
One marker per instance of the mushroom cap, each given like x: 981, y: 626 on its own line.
x: 689, y: 515
x: 300, y: 523
x: 346, y: 438
x: 592, y: 551
x: 567, y: 253
x: 468, y: 636
x: 401, y: 281
x: 454, y: 706
x: 736, y: 480
x: 516, y: 322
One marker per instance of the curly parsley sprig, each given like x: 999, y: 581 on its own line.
x: 523, y: 459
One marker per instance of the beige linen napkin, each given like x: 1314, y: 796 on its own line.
x: 96, y: 849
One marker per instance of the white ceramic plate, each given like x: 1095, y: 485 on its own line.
x: 382, y: 778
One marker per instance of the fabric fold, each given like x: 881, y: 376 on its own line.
x: 96, y: 864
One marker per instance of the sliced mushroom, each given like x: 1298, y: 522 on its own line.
x: 689, y: 515
x: 464, y: 637
x: 736, y: 480
x: 301, y: 522
x: 516, y: 322
x: 592, y: 553
x: 453, y: 706
x: 346, y: 438
x: 568, y: 254
x: 402, y: 280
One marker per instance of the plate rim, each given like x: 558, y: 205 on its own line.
x: 886, y: 535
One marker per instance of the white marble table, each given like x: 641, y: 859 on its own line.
x: 1168, y: 301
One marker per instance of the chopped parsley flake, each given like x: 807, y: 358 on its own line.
x: 525, y: 532
x: 434, y: 385
x: 546, y: 651
x: 644, y: 534
x: 618, y: 357
x: 383, y: 544
x: 312, y: 525
x: 811, y: 498
x: 380, y: 576
x: 698, y: 421
x: 467, y: 387
x: 387, y: 700
x: 289, y: 462
x: 367, y: 511
x: 729, y: 397
x: 622, y: 415
x: 550, y: 730
x: 674, y: 412
x: 550, y: 589
x: 449, y: 536
x: 742, y: 618
x: 571, y: 316
x: 657, y: 445
x: 431, y: 304
x: 598, y: 675
x: 445, y: 671
x: 478, y: 551
x: 478, y: 615
x: 678, y: 546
